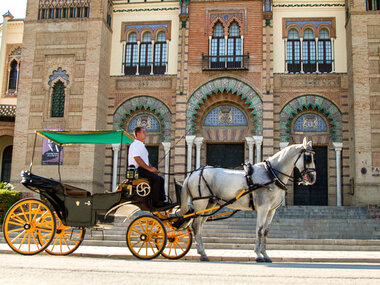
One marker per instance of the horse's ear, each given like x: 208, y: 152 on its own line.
x: 310, y: 145
x: 304, y: 143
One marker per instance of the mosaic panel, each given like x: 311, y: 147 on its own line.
x: 147, y: 121
x: 310, y: 123
x: 226, y: 84
x: 160, y: 111
x: 309, y: 103
x: 225, y: 115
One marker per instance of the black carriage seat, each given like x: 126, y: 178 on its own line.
x: 38, y: 183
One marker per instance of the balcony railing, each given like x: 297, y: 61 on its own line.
x: 309, y: 66
x: 146, y: 69
x: 225, y: 62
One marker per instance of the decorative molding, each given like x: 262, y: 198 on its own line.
x: 145, y: 9
x: 310, y: 5
x: 310, y: 103
x: 138, y: 27
x: 226, y: 84
x: 144, y: 103
x: 315, y: 23
x: 59, y: 73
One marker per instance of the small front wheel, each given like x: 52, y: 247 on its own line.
x: 146, y: 237
x: 179, y: 243
x: 66, y: 239
x: 29, y: 226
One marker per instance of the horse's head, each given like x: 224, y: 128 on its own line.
x: 305, y: 164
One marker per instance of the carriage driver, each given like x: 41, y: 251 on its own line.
x: 139, y: 157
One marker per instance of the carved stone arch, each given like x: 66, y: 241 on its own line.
x: 211, y: 27
x: 146, y: 30
x: 324, y: 26
x: 311, y: 27
x: 226, y: 84
x: 315, y: 103
x: 59, y: 74
x: 132, y: 30
x: 234, y: 19
x: 291, y: 27
x: 155, y: 106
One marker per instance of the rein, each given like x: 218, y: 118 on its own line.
x: 273, y: 172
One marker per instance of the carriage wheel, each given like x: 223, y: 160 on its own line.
x: 66, y: 239
x: 179, y: 243
x: 29, y: 226
x: 146, y: 237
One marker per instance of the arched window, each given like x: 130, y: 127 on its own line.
x: 308, y: 51
x: 13, y: 76
x: 58, y: 100
x: 6, y: 164
x: 130, y: 67
x: 324, y: 51
x: 225, y: 115
x: 234, y: 50
x: 160, y: 54
x: 146, y: 54
x: 310, y: 122
x: 217, y: 46
x: 293, y: 51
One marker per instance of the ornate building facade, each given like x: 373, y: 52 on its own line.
x: 214, y: 82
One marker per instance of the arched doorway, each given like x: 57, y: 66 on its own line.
x: 319, y: 120
x: 6, y: 164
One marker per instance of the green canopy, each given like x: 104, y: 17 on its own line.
x: 90, y: 137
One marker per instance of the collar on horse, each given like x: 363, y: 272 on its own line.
x: 274, y: 176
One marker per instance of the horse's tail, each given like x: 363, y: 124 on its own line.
x: 184, y: 196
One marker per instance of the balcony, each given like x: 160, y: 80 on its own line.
x: 309, y: 66
x: 144, y: 69
x: 225, y: 62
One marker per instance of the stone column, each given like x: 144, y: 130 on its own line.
x: 198, y: 143
x: 152, y: 59
x: 338, y: 154
x: 301, y: 52
x: 189, y: 141
x: 285, y: 49
x: 282, y: 146
x: 138, y: 57
x: 258, y: 141
x: 7, y: 16
x: 167, y: 156
x: 250, y: 143
x: 116, y: 149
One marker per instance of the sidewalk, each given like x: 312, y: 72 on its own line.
x: 235, y: 255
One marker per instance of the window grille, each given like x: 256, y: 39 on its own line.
x: 58, y: 100
x: 160, y: 54
x: 145, y: 54
x: 130, y: 67
x: 13, y: 76
x: 293, y: 51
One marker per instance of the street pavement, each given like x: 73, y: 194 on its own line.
x: 235, y: 255
x: 18, y: 269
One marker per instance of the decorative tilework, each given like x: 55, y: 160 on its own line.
x: 225, y: 115
x: 59, y: 73
x: 310, y: 123
x: 151, y: 26
x: 226, y: 84
x: 149, y: 122
x: 143, y: 103
x: 314, y: 103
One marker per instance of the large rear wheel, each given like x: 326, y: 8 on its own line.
x: 66, y: 239
x: 178, y: 244
x: 146, y: 237
x: 29, y: 226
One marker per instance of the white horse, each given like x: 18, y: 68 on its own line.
x: 209, y: 186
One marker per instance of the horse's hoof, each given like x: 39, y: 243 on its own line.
x: 260, y: 259
x: 268, y: 260
x: 204, y: 258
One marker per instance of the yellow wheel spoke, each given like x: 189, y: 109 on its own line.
x: 16, y: 224
x: 35, y: 241
x: 25, y: 215
x: 35, y: 215
x: 136, y: 231
x: 64, y: 239
x: 16, y: 230
x: 17, y: 218
x: 18, y: 236
x: 141, y: 246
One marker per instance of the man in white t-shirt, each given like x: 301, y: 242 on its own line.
x: 139, y: 157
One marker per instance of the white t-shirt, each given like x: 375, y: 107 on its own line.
x: 137, y: 148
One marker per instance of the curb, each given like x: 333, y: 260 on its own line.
x: 226, y: 258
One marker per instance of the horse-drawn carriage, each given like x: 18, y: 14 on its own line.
x: 56, y: 222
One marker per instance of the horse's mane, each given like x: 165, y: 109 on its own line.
x: 282, y: 153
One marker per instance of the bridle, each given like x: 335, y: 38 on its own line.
x: 307, y: 159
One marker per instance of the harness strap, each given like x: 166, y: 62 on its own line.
x: 274, y: 176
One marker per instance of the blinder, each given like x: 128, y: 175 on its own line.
x: 307, y: 159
